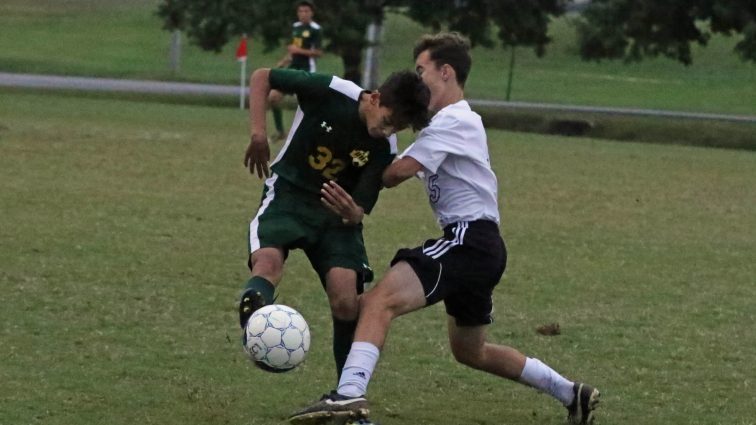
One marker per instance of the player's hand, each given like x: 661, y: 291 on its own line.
x: 336, y: 199
x: 258, y: 154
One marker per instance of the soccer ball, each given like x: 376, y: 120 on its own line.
x: 276, y: 338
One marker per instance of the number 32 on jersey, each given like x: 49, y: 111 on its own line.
x: 324, y: 162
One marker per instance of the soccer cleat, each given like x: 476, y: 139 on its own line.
x: 332, y: 408
x: 250, y: 302
x: 363, y: 421
x: 586, y: 400
x: 262, y: 366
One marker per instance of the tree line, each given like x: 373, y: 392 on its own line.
x: 607, y: 29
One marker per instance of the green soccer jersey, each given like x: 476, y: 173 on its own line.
x: 328, y: 140
x: 305, y: 36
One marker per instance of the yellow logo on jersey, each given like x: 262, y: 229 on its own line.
x: 305, y: 34
x: 359, y: 158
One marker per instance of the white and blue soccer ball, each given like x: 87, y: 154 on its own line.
x: 278, y: 337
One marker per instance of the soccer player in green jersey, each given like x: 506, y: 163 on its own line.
x: 301, y: 53
x: 340, y: 133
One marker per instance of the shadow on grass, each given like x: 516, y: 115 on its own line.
x: 666, y: 130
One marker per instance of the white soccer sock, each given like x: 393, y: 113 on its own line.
x: 358, y: 368
x: 540, y: 376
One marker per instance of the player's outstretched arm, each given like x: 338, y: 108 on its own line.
x: 336, y: 199
x: 400, y: 170
x: 258, y: 152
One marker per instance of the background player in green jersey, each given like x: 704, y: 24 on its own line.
x: 301, y: 53
x: 340, y: 133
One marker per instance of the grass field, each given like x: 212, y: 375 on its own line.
x: 125, y: 40
x: 122, y: 251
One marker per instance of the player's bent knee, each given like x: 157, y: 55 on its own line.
x: 381, y: 303
x: 373, y: 299
x: 344, y: 307
x: 341, y: 288
x: 471, y: 356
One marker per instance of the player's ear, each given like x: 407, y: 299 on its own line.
x: 446, y: 71
x: 375, y: 97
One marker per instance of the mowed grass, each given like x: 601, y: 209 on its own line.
x: 125, y: 40
x: 123, y: 249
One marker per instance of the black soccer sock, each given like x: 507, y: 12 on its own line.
x: 263, y: 286
x: 277, y: 118
x: 343, y: 335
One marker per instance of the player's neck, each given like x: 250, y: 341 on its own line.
x: 451, y: 95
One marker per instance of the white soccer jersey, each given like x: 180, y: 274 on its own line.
x: 457, y: 172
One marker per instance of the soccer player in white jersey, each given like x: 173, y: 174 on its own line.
x: 462, y: 267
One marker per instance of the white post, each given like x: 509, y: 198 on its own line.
x: 374, y: 8
x: 242, y: 79
x: 370, y: 70
x: 174, y: 54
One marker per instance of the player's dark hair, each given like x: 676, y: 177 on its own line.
x: 450, y: 48
x: 408, y: 97
x: 306, y: 3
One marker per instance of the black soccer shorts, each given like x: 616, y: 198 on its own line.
x: 461, y: 268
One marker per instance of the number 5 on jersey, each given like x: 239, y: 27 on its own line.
x: 434, y: 192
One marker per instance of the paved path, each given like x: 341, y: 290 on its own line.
x: 161, y: 87
x: 111, y: 84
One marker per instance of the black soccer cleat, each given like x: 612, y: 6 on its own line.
x: 580, y: 412
x: 250, y: 302
x: 362, y: 421
x: 262, y: 366
x: 332, y: 408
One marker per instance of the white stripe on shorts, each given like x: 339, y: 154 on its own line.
x: 443, y: 246
x: 434, y: 246
x: 440, y: 270
x: 254, y: 240
x: 439, y: 249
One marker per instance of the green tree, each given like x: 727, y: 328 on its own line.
x: 633, y: 29
x: 212, y: 23
x: 517, y: 22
